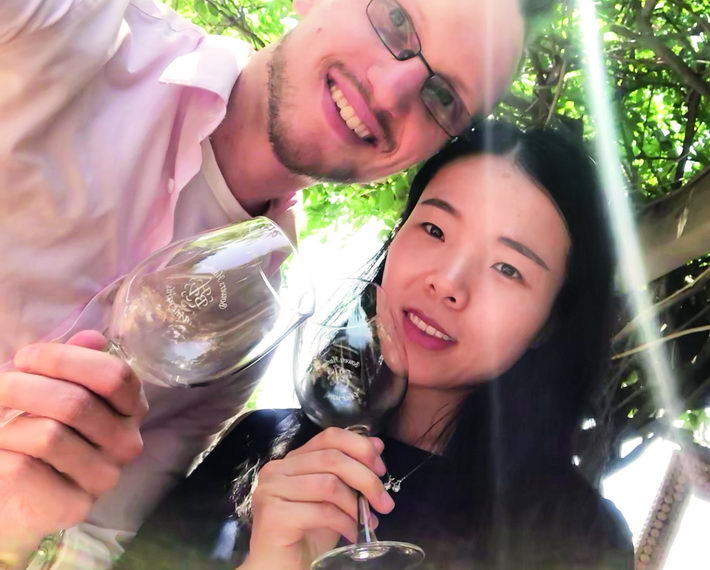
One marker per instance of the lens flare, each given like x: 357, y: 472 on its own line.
x: 623, y: 225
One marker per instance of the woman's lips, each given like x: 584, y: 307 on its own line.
x: 417, y: 336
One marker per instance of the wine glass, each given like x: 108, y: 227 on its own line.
x: 351, y: 372
x: 206, y: 307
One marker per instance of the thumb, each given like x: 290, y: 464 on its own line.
x: 89, y: 339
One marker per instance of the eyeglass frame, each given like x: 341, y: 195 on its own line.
x: 432, y: 74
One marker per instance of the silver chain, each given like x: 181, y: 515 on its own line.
x: 396, y: 484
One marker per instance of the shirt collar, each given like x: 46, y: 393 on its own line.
x: 213, y: 176
x: 214, y: 65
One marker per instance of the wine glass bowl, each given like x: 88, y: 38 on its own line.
x: 345, y: 375
x: 204, y: 308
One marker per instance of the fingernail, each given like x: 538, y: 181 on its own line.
x: 378, y: 443
x: 25, y: 356
x: 374, y: 521
x: 380, y: 468
x: 387, y: 502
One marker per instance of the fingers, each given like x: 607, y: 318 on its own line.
x: 76, y: 407
x: 351, y: 472
x: 310, y: 488
x: 60, y: 447
x: 89, y: 339
x: 99, y: 372
x: 336, y: 453
x: 366, y: 450
x: 295, y: 519
x: 35, y: 499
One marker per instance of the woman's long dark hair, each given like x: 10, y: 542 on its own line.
x: 514, y: 428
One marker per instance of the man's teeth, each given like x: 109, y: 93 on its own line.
x: 428, y: 329
x: 347, y: 113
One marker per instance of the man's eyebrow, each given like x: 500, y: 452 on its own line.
x: 524, y: 250
x: 442, y: 205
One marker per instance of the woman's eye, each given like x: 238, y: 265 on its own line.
x: 433, y: 231
x: 507, y: 270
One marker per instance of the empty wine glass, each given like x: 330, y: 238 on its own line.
x: 204, y: 308
x: 351, y: 372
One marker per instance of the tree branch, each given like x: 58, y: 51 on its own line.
x: 672, y: 336
x: 662, y: 305
x: 676, y: 63
x: 691, y: 117
x: 558, y: 89
x: 238, y: 22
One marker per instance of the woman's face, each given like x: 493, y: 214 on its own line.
x: 474, y: 271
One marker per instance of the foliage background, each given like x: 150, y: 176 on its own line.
x: 658, y: 56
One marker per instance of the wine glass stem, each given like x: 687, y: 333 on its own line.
x: 365, y: 533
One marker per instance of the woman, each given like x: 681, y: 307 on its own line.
x: 501, y: 267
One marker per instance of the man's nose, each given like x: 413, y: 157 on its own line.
x: 396, y: 85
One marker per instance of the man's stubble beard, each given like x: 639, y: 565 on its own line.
x: 299, y: 157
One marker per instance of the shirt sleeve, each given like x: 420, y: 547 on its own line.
x: 23, y: 18
x: 49, y: 51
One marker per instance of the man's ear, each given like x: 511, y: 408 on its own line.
x: 302, y: 7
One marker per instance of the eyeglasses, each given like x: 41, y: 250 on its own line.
x: 396, y: 31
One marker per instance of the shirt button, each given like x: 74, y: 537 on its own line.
x: 171, y: 185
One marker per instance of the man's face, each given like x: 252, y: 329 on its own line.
x: 341, y: 107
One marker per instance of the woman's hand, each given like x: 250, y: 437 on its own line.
x: 304, y: 502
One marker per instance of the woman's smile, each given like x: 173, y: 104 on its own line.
x: 424, y: 332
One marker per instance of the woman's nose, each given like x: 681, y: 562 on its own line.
x: 396, y: 85
x: 449, y: 287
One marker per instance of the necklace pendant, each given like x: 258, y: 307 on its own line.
x: 388, y: 483
x: 392, y: 484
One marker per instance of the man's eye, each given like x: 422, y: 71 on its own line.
x: 397, y: 17
x: 444, y: 96
x: 433, y: 231
x: 508, y: 271
x: 439, y: 94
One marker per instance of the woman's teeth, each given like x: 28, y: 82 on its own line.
x: 428, y: 329
x: 347, y: 113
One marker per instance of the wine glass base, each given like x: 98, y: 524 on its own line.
x: 382, y: 555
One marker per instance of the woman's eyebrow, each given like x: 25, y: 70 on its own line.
x: 443, y: 205
x: 524, y: 250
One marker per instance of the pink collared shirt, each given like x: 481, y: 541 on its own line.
x: 106, y: 107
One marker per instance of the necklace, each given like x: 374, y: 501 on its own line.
x: 396, y: 484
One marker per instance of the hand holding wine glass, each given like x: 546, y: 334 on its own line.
x: 351, y: 372
x: 304, y: 502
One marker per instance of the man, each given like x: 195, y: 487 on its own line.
x: 125, y: 127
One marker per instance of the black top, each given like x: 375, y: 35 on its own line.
x: 564, y: 524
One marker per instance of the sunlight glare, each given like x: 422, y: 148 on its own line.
x: 621, y: 217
